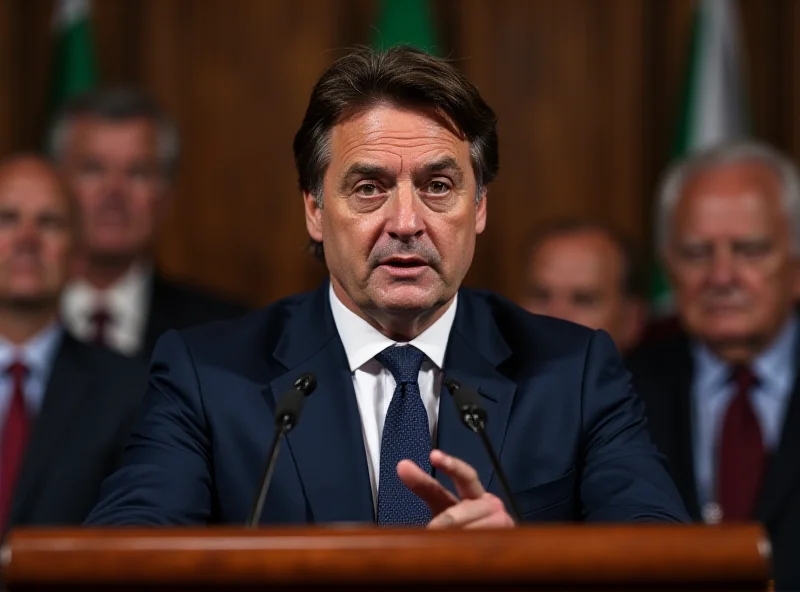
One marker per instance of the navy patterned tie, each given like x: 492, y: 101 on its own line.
x: 406, y: 435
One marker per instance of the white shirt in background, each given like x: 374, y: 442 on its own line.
x: 127, y: 302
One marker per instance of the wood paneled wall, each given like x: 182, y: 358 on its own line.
x: 586, y: 92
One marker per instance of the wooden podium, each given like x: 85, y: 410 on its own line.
x: 647, y: 557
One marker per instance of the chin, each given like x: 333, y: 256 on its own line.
x: 113, y: 248
x: 401, y: 306
x: 734, y: 332
x: 406, y: 299
x: 29, y: 300
x: 26, y: 289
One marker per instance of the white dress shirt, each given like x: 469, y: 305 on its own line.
x: 127, y: 301
x: 374, y: 385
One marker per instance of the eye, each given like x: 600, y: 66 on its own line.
x: 141, y: 172
x: 368, y: 190
x: 8, y: 217
x: 91, y: 167
x: 52, y: 222
x: 585, y: 299
x: 695, y: 253
x: 753, y: 249
x: 437, y: 187
x: 540, y: 295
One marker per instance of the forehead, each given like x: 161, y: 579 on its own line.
x: 396, y: 137
x: 741, y: 198
x: 94, y: 133
x: 577, y: 258
x: 31, y: 187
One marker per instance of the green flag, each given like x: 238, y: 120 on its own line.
x: 713, y: 105
x: 407, y: 22
x: 74, y: 70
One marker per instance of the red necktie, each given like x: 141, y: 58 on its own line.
x: 13, y: 440
x: 741, y: 453
x: 100, y: 320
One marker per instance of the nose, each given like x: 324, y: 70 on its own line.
x: 722, y: 271
x: 405, y: 220
x: 27, y: 236
x: 114, y: 182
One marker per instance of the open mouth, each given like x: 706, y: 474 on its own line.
x: 404, y: 267
x: 404, y: 262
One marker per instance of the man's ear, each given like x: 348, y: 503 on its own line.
x: 313, y: 216
x: 480, y: 214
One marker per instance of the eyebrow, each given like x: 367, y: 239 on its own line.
x: 361, y: 170
x: 448, y: 163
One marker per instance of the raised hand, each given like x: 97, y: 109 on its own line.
x: 475, y: 509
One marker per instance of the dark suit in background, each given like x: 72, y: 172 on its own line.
x: 90, y: 404
x: 175, y: 305
x: 130, y: 315
x: 662, y: 375
x: 571, y: 434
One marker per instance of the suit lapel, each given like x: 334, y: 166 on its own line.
x: 66, y: 387
x: 327, y: 445
x: 783, y: 468
x: 475, y: 350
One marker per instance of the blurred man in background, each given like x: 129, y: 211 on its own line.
x: 65, y: 408
x: 119, y: 154
x: 723, y: 398
x: 585, y: 273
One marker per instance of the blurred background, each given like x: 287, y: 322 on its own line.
x: 589, y: 95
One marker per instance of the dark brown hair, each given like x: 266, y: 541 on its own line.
x: 402, y: 76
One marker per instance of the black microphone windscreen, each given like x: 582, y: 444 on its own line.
x: 473, y: 415
x: 466, y: 400
x: 452, y: 384
x: 290, y: 405
x: 306, y: 383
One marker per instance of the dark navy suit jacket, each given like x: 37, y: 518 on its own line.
x: 570, y: 432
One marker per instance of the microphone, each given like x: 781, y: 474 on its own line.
x: 287, y: 413
x: 473, y: 415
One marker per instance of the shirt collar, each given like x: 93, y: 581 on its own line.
x: 131, y: 289
x: 37, y: 353
x: 362, y: 341
x: 773, y: 365
x: 776, y: 363
x: 123, y: 298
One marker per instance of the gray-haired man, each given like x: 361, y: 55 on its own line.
x: 118, y: 152
x: 723, y: 398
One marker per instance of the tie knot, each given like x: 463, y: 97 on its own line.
x: 403, y: 361
x: 17, y: 370
x: 100, y: 320
x: 100, y: 316
x: 744, y: 378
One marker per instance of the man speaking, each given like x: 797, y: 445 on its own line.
x: 394, y: 157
